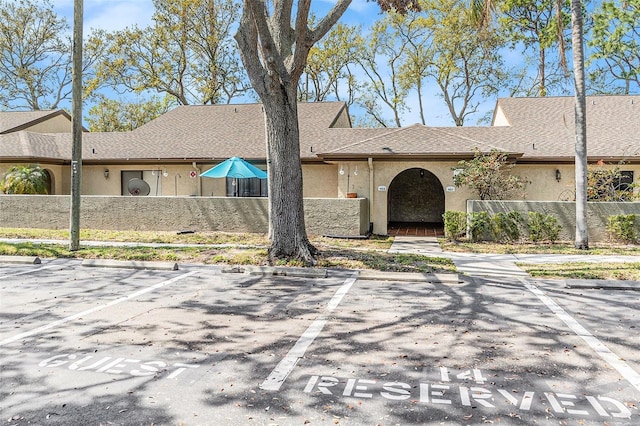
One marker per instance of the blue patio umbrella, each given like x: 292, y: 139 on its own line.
x: 235, y: 167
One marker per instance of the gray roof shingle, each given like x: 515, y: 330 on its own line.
x: 545, y: 127
x: 540, y: 129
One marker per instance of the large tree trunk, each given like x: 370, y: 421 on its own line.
x: 286, y: 210
x: 577, y: 41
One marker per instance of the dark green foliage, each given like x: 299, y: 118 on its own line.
x: 21, y: 179
x: 507, y: 226
x: 480, y: 226
x: 543, y: 227
x: 455, y: 224
x: 622, y: 228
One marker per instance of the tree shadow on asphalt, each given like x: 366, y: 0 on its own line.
x: 386, y: 332
x: 460, y: 327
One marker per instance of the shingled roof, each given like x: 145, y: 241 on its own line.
x: 192, y: 133
x: 533, y: 129
x: 418, y: 141
x: 544, y: 128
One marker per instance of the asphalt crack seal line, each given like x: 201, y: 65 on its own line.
x: 628, y: 373
x: 280, y: 373
x: 95, y: 309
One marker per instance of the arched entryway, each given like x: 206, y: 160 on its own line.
x: 415, y: 203
x: 49, y: 182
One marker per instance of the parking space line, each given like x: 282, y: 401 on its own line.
x: 94, y: 309
x: 280, y: 373
x: 628, y: 373
x: 30, y: 271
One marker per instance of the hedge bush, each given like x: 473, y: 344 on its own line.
x: 455, y: 224
x: 480, y: 226
x: 507, y: 226
x: 621, y: 227
x: 543, y: 227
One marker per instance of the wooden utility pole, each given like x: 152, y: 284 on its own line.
x: 76, y: 127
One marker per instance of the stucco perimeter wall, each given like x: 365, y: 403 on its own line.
x: 323, y: 216
x: 597, y: 213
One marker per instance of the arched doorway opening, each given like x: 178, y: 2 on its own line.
x: 415, y: 204
x: 49, y: 182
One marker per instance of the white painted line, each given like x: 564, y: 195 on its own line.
x: 30, y: 271
x: 287, y: 364
x: 95, y: 309
x: 628, y: 373
x: 344, y: 289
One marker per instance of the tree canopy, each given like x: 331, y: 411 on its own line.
x: 427, y: 65
x: 488, y: 175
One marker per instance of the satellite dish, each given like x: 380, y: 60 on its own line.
x: 138, y: 187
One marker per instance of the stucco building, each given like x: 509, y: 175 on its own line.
x: 405, y: 174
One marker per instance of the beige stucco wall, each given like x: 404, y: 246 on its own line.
x: 374, y: 179
x: 322, y: 216
x: 57, y: 124
x: 500, y: 119
x: 543, y: 186
x: 343, y: 120
x: 320, y: 180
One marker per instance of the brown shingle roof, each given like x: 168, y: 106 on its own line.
x: 223, y: 131
x: 544, y: 127
x: 185, y: 133
x: 423, y: 141
x: 540, y: 129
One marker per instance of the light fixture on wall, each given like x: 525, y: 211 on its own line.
x: 165, y: 173
x: 106, y: 173
x: 422, y: 173
x: 355, y: 172
x: 558, y: 175
x: 341, y: 170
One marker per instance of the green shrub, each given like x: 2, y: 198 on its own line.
x: 480, y: 226
x: 507, y: 226
x: 543, y: 227
x: 621, y: 227
x: 455, y: 224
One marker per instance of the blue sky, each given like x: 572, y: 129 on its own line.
x: 118, y: 14
x: 113, y: 15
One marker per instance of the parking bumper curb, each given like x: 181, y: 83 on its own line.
x: 409, y: 276
x: 603, y: 284
x: 274, y: 270
x: 130, y: 264
x: 33, y: 260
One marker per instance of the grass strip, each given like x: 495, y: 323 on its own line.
x: 584, y: 270
x: 338, y: 257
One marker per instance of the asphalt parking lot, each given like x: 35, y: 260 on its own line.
x: 196, y: 346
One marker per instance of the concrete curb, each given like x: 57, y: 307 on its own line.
x: 271, y: 270
x: 603, y: 284
x: 409, y: 276
x: 130, y: 264
x: 33, y: 260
